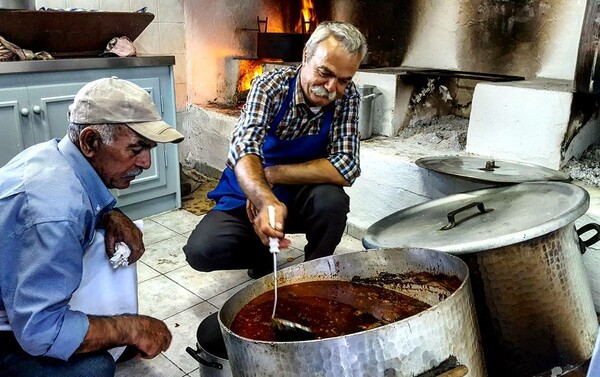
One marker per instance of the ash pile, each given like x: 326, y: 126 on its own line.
x: 446, y: 132
x: 587, y: 168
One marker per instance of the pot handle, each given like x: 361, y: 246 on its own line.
x: 196, y: 355
x: 452, y: 221
x: 583, y: 245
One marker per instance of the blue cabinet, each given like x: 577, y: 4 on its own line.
x: 34, y: 101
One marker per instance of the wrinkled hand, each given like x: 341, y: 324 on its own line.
x: 120, y: 228
x: 262, y: 227
x: 150, y: 336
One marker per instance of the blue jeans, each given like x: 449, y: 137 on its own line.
x: 18, y: 363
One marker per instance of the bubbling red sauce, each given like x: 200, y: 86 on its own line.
x: 330, y: 308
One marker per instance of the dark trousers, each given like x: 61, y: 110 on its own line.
x: 15, y: 362
x: 225, y: 240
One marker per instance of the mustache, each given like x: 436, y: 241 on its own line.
x: 322, y: 92
x: 134, y: 173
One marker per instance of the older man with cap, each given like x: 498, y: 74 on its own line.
x: 53, y: 197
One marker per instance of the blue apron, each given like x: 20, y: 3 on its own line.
x: 228, y: 193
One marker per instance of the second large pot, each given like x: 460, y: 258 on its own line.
x: 532, y: 295
x: 405, y: 348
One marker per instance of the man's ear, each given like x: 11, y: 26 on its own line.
x: 89, y: 142
x: 304, y: 56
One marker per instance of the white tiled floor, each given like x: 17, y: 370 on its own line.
x: 170, y: 290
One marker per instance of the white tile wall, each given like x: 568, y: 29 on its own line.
x: 172, y: 37
x: 170, y: 11
x: 114, y: 5
x: 165, y: 35
x: 91, y: 4
x: 58, y: 4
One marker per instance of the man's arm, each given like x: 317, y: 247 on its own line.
x: 251, y: 177
x: 149, y: 335
x: 310, y: 172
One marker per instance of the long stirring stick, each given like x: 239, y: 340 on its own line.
x: 274, y: 249
x: 274, y: 283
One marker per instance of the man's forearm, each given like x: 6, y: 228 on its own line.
x: 251, y: 177
x: 105, y: 333
x: 310, y: 172
x: 149, y: 335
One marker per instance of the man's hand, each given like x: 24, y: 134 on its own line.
x: 120, y: 228
x: 262, y: 227
x: 150, y: 336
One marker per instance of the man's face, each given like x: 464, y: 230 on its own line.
x: 127, y: 157
x: 326, y: 74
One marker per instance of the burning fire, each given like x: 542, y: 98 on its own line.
x: 308, y: 20
x: 248, y: 70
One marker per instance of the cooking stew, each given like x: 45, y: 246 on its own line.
x: 330, y: 308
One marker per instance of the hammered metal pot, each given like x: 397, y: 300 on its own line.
x: 534, y: 303
x: 405, y: 348
x: 533, y: 299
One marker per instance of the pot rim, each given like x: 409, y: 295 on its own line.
x: 463, y: 274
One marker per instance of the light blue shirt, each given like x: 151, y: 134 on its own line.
x: 50, y: 202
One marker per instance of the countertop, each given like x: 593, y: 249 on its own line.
x: 26, y: 66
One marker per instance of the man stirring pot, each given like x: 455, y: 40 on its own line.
x: 294, y: 148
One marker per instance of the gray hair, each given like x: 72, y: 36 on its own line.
x: 107, y: 131
x: 349, y: 36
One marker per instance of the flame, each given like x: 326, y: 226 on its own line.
x: 308, y: 19
x: 248, y: 70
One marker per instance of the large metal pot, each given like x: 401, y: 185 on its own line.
x: 404, y: 348
x: 210, y: 350
x: 533, y: 299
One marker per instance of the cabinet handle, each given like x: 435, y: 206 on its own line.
x: 36, y: 109
x: 25, y: 111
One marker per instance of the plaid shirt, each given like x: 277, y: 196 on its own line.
x: 262, y: 105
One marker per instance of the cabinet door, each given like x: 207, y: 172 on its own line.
x: 15, y: 126
x: 49, y: 109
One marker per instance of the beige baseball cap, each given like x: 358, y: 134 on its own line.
x: 112, y: 100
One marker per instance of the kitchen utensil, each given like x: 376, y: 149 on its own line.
x: 408, y: 347
x: 284, y: 329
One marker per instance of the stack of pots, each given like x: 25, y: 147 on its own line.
x: 533, y: 299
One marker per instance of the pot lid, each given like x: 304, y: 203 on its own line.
x: 491, y: 170
x: 487, y: 219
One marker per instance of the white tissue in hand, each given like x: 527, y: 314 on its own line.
x: 120, y: 256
